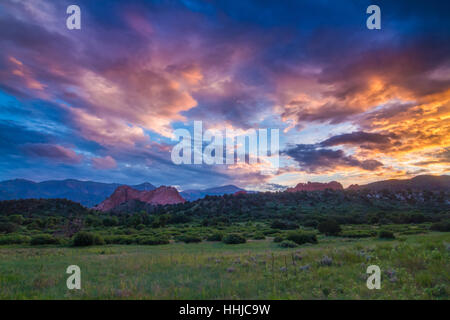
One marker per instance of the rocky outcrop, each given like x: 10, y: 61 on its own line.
x: 162, y: 195
x: 316, y: 186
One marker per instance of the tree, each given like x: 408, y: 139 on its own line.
x: 329, y: 228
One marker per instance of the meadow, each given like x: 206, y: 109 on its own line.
x: 413, y: 266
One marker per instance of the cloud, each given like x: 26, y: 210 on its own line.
x: 107, y: 131
x: 105, y: 163
x: 312, y: 158
x: 53, y: 152
x: 440, y: 157
x: 364, y: 140
x: 139, y: 69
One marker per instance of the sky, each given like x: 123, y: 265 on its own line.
x: 102, y: 103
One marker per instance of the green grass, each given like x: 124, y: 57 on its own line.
x: 258, y: 269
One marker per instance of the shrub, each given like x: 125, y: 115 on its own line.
x: 8, y: 227
x: 14, y: 239
x: 357, y: 234
x: 443, y: 226
x: 110, y: 221
x: 140, y: 227
x: 302, y: 237
x: 215, y: 237
x: 258, y: 236
x: 16, y: 218
x: 98, y: 240
x: 277, y: 224
x: 119, y: 240
x: 234, y: 238
x: 278, y: 239
x: 152, y: 241
x: 82, y: 239
x: 189, y: 238
x: 288, y: 244
x: 329, y: 228
x: 43, y: 239
x: 386, y: 234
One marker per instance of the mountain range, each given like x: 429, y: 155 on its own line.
x: 90, y: 193
x: 418, y: 183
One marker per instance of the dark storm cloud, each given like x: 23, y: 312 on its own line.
x: 357, y: 138
x: 312, y: 158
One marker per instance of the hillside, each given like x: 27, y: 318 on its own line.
x: 32, y: 208
x: 418, y: 183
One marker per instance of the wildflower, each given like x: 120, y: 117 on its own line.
x: 326, y: 261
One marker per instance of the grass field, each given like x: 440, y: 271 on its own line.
x: 413, y: 267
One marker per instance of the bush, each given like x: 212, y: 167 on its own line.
x: 110, y: 221
x: 234, y: 238
x: 357, y: 234
x: 277, y: 224
x: 302, y: 237
x: 14, y: 239
x: 215, y: 237
x: 386, y: 234
x: 140, y: 227
x: 43, y: 239
x: 16, y: 218
x: 443, y: 226
x: 258, y: 236
x: 329, y: 228
x: 119, y: 240
x: 189, y: 238
x: 8, y: 227
x: 278, y: 239
x: 288, y: 244
x: 82, y: 239
x: 152, y: 241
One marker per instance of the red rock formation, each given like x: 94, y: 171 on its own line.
x: 316, y: 186
x: 161, y: 195
x: 240, y: 192
x: 354, y: 187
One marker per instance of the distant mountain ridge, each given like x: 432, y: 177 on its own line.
x: 123, y: 194
x: 88, y: 193
x: 193, y: 194
x: 418, y: 183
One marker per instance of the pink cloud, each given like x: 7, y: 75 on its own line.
x: 105, y: 163
x: 53, y: 152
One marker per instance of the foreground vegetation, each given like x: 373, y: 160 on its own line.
x: 413, y: 267
x: 304, y: 245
